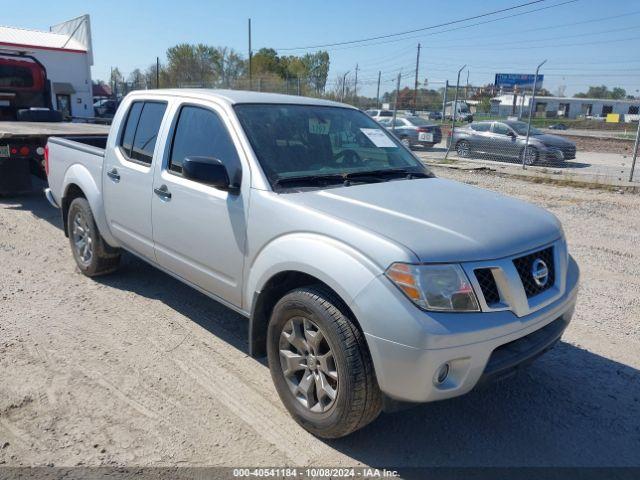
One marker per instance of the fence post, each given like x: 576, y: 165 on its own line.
x: 635, y: 152
x: 454, y: 107
x: 444, y: 100
x: 395, y: 103
x: 531, y: 106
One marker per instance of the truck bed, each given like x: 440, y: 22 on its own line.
x: 46, y: 129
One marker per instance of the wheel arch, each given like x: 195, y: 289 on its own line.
x: 310, y: 260
x: 79, y: 182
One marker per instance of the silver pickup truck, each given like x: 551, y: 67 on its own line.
x: 367, y: 281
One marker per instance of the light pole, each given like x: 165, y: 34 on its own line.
x: 455, y: 110
x: 531, y: 106
x: 344, y: 79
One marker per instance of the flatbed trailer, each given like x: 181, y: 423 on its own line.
x: 22, y: 149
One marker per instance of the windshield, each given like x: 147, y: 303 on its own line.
x: 521, y: 128
x: 293, y: 141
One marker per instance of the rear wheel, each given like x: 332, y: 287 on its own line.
x: 405, y: 141
x: 320, y: 364
x: 91, y: 253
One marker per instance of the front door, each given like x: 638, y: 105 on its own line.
x: 503, y: 140
x: 199, y: 231
x: 128, y: 178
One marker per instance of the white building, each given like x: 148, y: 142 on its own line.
x: 565, y: 107
x: 66, y: 52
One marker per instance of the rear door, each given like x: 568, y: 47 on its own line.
x: 200, y: 231
x: 128, y: 177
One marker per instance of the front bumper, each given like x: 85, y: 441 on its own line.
x: 408, y: 346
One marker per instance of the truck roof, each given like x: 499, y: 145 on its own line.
x: 234, y: 97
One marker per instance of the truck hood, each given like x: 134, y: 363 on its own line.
x: 439, y: 220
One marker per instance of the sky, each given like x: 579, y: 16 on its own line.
x: 585, y: 42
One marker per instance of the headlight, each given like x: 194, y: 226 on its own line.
x: 440, y: 287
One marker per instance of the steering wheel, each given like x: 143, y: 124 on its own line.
x: 349, y: 156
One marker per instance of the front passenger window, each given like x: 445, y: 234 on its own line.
x: 201, y: 133
x: 501, y: 129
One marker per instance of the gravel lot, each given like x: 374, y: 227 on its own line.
x: 137, y: 369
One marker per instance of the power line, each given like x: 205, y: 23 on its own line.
x: 452, y: 29
x: 452, y: 22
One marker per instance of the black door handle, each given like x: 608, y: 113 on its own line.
x: 114, y: 175
x: 163, y: 192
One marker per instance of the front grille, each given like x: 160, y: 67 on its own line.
x: 524, y: 265
x: 488, y: 285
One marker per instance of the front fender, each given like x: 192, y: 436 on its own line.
x: 340, y: 266
x: 80, y: 176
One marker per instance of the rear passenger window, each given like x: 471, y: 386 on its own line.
x: 130, y: 127
x: 201, y: 133
x: 141, y: 131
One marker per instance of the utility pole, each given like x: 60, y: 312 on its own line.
x: 157, y: 72
x: 344, y: 81
x: 378, y: 91
x: 355, y: 88
x: 250, y: 54
x: 395, y: 103
x: 415, y: 85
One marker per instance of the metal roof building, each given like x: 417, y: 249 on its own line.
x: 66, y: 53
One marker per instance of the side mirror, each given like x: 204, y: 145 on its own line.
x: 210, y: 171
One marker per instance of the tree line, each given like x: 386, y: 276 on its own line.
x: 200, y: 65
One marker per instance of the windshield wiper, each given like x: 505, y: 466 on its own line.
x: 386, y: 173
x: 309, y: 179
x: 346, y: 178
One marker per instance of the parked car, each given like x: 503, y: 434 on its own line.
x: 434, y: 115
x: 414, y: 131
x: 106, y: 107
x: 365, y: 279
x: 558, y: 126
x: 507, y: 139
x: 378, y: 114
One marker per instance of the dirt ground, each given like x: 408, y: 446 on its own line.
x: 137, y: 369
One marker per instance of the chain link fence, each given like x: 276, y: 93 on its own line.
x: 521, y: 129
x: 592, y: 140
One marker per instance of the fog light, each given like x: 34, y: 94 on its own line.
x: 443, y: 373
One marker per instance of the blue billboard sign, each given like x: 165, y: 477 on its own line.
x: 520, y: 80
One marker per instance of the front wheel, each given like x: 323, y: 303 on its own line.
x: 91, y: 253
x: 529, y: 155
x: 320, y: 364
x: 463, y: 149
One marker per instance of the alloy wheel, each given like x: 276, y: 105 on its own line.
x: 462, y: 149
x: 308, y: 364
x: 81, y: 236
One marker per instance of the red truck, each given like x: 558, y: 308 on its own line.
x: 27, y: 120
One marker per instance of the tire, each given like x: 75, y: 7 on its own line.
x: 463, y: 149
x: 405, y: 141
x: 532, y: 156
x: 91, y: 253
x: 341, y: 352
